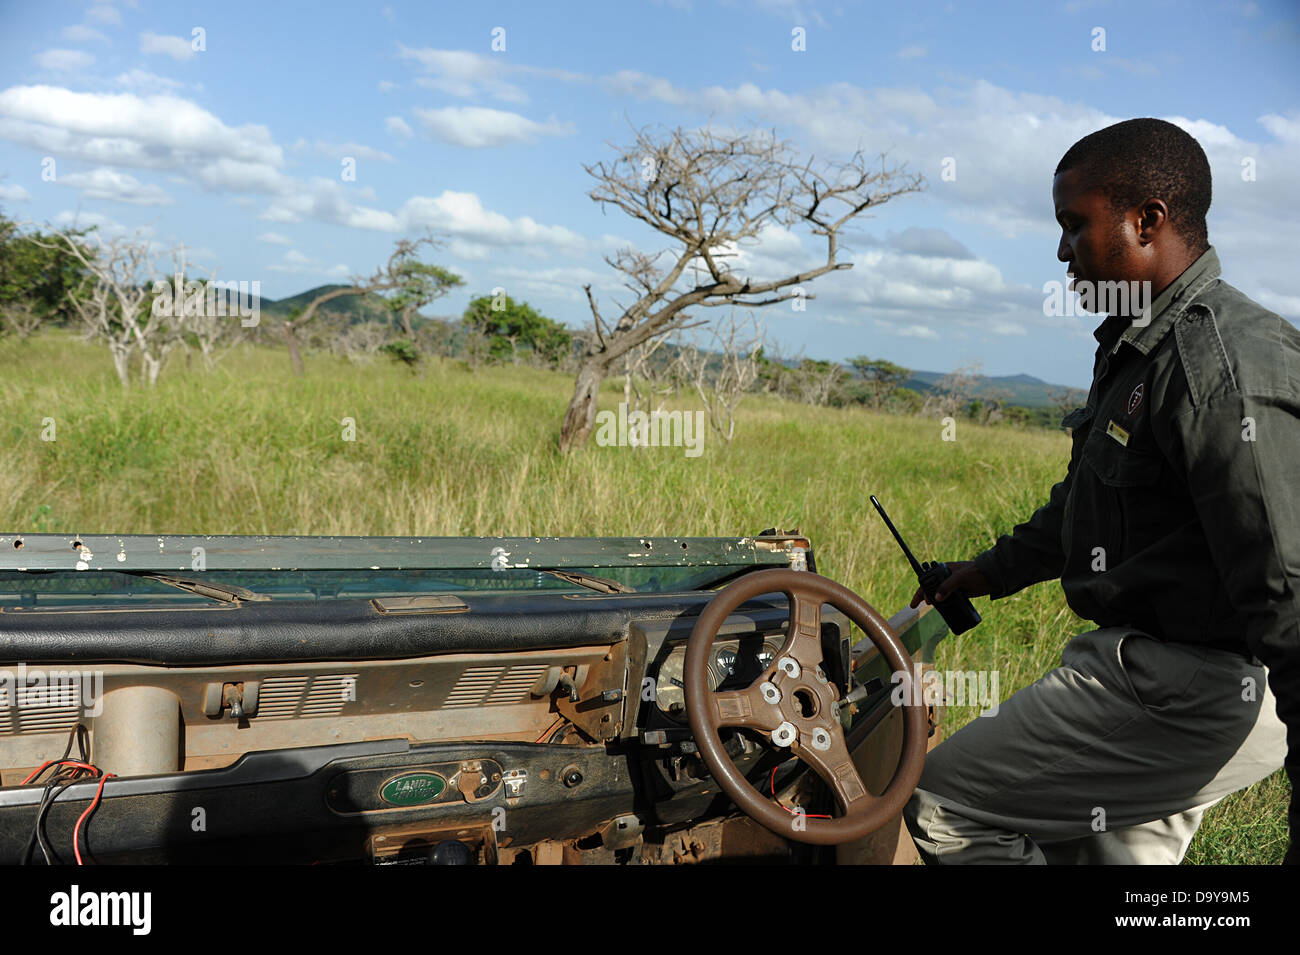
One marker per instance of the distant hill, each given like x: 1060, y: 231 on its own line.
x: 357, y: 308
x: 1025, y: 390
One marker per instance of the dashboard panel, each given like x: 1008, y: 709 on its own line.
x: 733, y: 663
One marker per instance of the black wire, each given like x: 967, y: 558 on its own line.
x: 62, y: 775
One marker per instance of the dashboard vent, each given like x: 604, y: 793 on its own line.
x: 290, y: 697
x: 493, y: 686
x: 43, y: 718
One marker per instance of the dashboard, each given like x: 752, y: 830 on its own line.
x: 733, y: 663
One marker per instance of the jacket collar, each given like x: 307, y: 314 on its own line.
x: 1147, y: 332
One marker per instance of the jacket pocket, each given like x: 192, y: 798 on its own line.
x: 1124, y: 492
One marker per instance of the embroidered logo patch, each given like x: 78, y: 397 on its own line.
x: 1135, y: 399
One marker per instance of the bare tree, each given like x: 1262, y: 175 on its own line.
x: 1065, y: 400
x: 953, y: 392
x: 724, y: 372
x: 820, y: 380
x: 639, y: 368
x: 777, y: 372
x: 20, y: 319
x: 710, y: 193
x: 118, y: 275
x: 361, y: 341
x: 209, y: 311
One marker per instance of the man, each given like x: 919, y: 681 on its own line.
x: 1176, y: 530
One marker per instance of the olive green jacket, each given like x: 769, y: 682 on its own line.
x: 1179, y: 514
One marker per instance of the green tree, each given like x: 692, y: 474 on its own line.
x: 411, y: 285
x: 422, y: 283
x: 880, y: 378
x: 509, y: 326
x: 38, y: 279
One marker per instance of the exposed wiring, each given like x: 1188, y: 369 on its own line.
x: 65, y: 772
x: 549, y: 730
x: 772, y: 786
x: 76, y: 831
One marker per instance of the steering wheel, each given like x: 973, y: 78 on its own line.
x: 796, y: 706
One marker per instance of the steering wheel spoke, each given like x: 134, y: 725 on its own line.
x: 835, y: 766
x: 804, y: 642
x: 746, y: 708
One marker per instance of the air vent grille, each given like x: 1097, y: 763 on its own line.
x: 42, y: 718
x: 493, y: 686
x: 290, y: 697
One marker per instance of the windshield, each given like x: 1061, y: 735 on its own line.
x: 32, y: 590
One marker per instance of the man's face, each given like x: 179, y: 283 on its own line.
x: 1097, y: 244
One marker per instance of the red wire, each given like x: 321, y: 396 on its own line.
x: 77, y: 764
x: 772, y: 786
x: 76, y: 832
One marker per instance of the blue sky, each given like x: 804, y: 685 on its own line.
x: 236, y: 149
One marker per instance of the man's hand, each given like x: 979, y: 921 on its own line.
x: 965, y: 577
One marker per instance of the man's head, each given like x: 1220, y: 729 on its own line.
x: 1131, y: 200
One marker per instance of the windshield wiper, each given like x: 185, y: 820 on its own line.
x: 225, y: 592
x: 601, y: 584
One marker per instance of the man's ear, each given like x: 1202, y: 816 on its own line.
x: 1152, y: 218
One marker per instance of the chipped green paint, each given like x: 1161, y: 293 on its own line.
x: 181, y: 553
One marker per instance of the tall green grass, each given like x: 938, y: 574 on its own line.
x: 250, y: 449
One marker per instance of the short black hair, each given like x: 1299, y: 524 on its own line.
x: 1140, y: 158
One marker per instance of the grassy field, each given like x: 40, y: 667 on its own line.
x: 249, y: 449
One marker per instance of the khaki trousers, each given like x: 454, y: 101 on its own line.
x: 1112, y: 757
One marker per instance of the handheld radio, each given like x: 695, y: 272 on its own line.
x: 957, y: 610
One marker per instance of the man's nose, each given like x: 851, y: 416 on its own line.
x: 1063, y: 251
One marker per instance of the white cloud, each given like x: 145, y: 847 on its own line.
x: 107, y: 228
x: 275, y: 238
x: 177, y: 47
x: 104, y: 183
x: 239, y: 176
x: 461, y: 214
x: 80, y: 33
x: 386, y: 86
x: 104, y: 13
x: 917, y: 331
x: 1284, y: 128
x: 295, y: 263
x: 148, y: 132
x: 398, y: 127
x: 565, y: 281
x: 911, y: 52
x: 1007, y: 328
x: 145, y: 81
x: 465, y: 74
x: 64, y: 61
x: 340, y: 150
x: 476, y: 127
x: 13, y: 193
